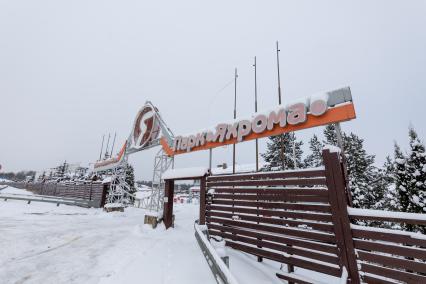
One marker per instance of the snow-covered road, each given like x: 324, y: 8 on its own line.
x: 42, y: 243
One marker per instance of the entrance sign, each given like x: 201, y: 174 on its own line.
x: 319, y: 109
x: 146, y: 128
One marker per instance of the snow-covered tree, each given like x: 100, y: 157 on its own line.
x: 362, y: 173
x: 401, y: 179
x: 130, y: 178
x: 416, y: 171
x: 314, y: 159
x: 279, y: 153
x: 391, y: 197
x: 364, y: 177
x: 330, y: 135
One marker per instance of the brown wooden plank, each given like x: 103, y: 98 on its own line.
x: 328, y: 248
x: 273, y: 197
x: 279, y: 191
x: 276, y: 205
x: 370, y: 279
x: 269, y: 175
x: 280, y: 248
x: 285, y: 214
x: 393, y: 274
x: 289, y: 279
x: 276, y: 221
x: 391, y: 249
x: 300, y: 182
x: 389, y: 219
x: 414, y: 266
x: 388, y: 237
x: 313, y: 235
x: 330, y: 270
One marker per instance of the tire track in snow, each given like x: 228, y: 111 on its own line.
x: 47, y: 250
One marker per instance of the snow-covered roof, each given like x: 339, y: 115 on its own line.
x: 185, y: 172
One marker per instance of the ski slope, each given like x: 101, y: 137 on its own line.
x: 42, y: 243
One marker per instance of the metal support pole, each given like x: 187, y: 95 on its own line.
x: 106, y: 149
x: 235, y: 117
x: 210, y: 158
x: 113, y: 143
x: 102, y: 147
x: 255, y: 110
x: 339, y: 136
x: 279, y: 80
x: 294, y: 151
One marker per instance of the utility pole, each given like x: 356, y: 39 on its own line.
x: 106, y: 149
x: 279, y: 80
x: 235, y: 117
x: 113, y: 143
x: 255, y: 110
x: 279, y: 102
x: 102, y: 147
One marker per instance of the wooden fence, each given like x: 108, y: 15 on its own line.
x: 302, y: 219
x: 92, y: 191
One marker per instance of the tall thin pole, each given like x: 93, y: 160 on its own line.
x: 113, y: 143
x: 255, y: 110
x: 102, y: 147
x: 235, y: 117
x: 279, y: 79
x: 106, y: 149
x: 279, y: 102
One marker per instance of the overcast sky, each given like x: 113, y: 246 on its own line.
x: 71, y: 71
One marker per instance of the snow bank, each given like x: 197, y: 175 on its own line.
x: 185, y: 172
x: 12, y: 190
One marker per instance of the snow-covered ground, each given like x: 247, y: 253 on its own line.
x: 12, y: 190
x: 42, y: 243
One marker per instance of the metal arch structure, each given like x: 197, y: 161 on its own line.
x: 148, y: 130
x: 162, y: 163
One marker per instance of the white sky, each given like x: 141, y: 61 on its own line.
x: 71, y: 71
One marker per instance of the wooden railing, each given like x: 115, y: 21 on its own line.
x: 92, y: 191
x: 302, y: 219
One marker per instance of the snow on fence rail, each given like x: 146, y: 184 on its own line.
x: 389, y: 255
x: 94, y: 192
x: 302, y: 219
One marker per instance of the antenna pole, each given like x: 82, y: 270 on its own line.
x: 235, y: 116
x: 279, y: 79
x: 106, y: 149
x: 102, y: 147
x: 113, y: 143
x: 255, y: 110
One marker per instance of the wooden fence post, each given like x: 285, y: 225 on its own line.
x: 168, y: 203
x: 339, y: 201
x: 202, y: 220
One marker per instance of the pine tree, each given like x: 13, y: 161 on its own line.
x: 391, y: 196
x: 279, y: 153
x: 416, y: 171
x: 130, y: 178
x: 361, y: 172
x: 315, y: 158
x: 401, y: 179
x: 330, y: 135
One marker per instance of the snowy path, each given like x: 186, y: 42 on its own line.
x: 42, y: 243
